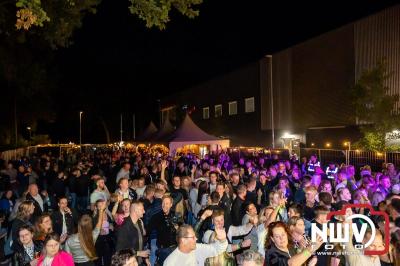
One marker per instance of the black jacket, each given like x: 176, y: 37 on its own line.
x: 164, y: 225
x: 277, y: 257
x: 226, y: 203
x: 237, y: 211
x: 70, y: 221
x: 21, y: 258
x: 128, y: 235
x: 38, y: 211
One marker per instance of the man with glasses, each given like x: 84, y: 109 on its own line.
x: 189, y: 253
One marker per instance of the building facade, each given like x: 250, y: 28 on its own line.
x: 309, y: 84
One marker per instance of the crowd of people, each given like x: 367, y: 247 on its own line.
x: 135, y: 208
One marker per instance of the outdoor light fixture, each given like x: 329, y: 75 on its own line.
x: 328, y: 145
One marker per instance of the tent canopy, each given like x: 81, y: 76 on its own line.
x: 149, y: 132
x: 189, y: 133
x: 165, y: 132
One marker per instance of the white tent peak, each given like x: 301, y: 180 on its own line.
x: 189, y: 131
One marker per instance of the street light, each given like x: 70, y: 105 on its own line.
x: 347, y: 144
x: 30, y: 134
x: 272, y: 103
x: 328, y: 145
x: 80, y: 128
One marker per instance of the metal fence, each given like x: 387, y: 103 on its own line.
x: 357, y: 158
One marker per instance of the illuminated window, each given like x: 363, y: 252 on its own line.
x: 233, y: 108
x: 206, y: 112
x: 218, y: 110
x: 249, y: 105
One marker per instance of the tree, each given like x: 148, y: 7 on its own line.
x: 375, y: 108
x: 55, y: 21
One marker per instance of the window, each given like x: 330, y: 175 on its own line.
x: 206, y: 112
x: 249, y: 105
x: 233, y: 108
x: 218, y: 110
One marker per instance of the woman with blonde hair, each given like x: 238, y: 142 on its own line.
x: 23, y: 217
x: 82, y: 244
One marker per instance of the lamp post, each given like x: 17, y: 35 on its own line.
x: 30, y: 134
x: 348, y: 144
x: 80, y: 128
x: 272, y: 103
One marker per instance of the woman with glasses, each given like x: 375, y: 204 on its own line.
x: 280, y: 250
x: 52, y: 255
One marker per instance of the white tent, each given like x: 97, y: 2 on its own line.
x: 189, y: 133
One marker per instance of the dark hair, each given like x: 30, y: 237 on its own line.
x: 120, y: 257
x: 203, y: 189
x: 325, y: 198
x: 319, y: 209
x: 215, y: 197
x: 51, y: 236
x: 298, y: 208
x: 26, y: 227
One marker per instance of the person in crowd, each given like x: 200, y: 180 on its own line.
x: 82, y: 244
x: 124, y: 172
x: 312, y: 164
x: 190, y: 253
x: 27, y: 250
x: 121, y: 211
x: 280, y: 251
x: 343, y: 194
x: 64, y: 219
x: 7, y: 202
x: 44, y: 226
x: 132, y: 233
x: 310, y: 202
x: 165, y: 223
x: 238, y: 210
x: 141, y: 187
x: 104, y: 243
x: 24, y: 217
x: 38, y: 200
x: 58, y: 185
x: 298, y: 235
x: 125, y: 191
x: 100, y: 193
x: 354, y: 258
x: 52, y: 255
x: 252, y: 258
x: 124, y: 257
x: 82, y: 184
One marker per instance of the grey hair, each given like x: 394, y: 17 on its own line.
x: 253, y: 256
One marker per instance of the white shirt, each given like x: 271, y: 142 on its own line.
x: 39, y: 200
x: 262, y: 235
x: 197, y: 256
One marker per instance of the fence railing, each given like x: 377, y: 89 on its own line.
x: 357, y: 158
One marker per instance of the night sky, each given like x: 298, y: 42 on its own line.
x: 118, y: 65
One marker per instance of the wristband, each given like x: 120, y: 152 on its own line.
x: 306, y: 252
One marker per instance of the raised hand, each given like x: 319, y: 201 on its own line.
x: 206, y: 214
